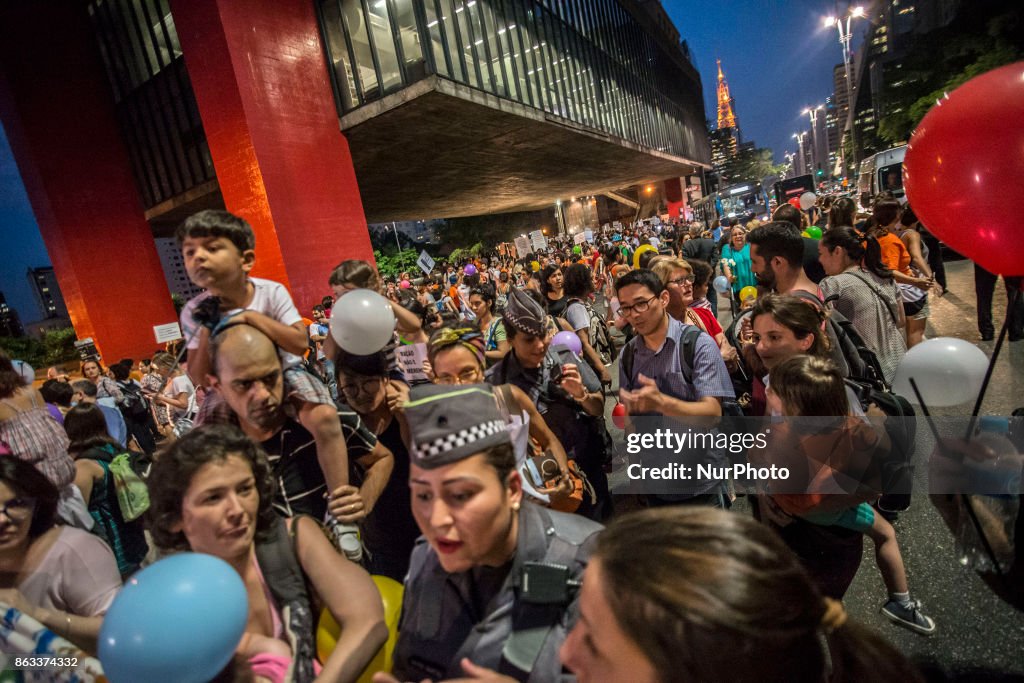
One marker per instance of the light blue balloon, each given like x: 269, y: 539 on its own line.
x: 721, y: 284
x: 179, y: 619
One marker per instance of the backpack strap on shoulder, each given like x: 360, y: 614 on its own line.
x: 279, y: 564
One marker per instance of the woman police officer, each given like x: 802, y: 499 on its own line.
x: 493, y: 580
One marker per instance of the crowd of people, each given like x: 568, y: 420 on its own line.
x: 476, y: 471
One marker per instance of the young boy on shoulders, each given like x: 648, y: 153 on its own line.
x: 219, y: 251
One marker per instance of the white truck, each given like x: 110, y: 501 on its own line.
x: 882, y: 172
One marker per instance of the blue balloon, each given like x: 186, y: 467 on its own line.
x: 179, y: 619
x: 721, y: 284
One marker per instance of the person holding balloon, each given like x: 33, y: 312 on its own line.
x: 566, y: 392
x: 211, y: 493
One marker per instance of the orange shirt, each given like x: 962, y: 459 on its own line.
x: 894, y: 253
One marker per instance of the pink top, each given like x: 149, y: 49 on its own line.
x: 78, y: 574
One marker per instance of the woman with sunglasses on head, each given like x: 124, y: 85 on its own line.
x: 388, y: 530
x: 62, y: 577
x: 678, y: 277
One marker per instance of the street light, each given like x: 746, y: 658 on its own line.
x: 812, y: 112
x: 397, y: 244
x: 802, y: 159
x: 844, y: 41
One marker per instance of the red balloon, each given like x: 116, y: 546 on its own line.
x: 794, y: 202
x: 964, y: 170
x: 619, y: 415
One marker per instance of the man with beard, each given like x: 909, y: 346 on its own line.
x: 247, y: 373
x: 776, y: 258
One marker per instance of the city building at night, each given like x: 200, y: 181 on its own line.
x: 10, y: 323
x: 310, y: 118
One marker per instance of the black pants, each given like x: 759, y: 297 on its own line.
x: 984, y: 287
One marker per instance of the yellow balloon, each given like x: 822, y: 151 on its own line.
x: 639, y: 252
x: 805, y: 234
x: 328, y: 631
x: 748, y: 292
x: 535, y: 265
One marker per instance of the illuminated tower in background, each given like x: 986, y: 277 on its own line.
x: 726, y: 116
x: 726, y: 138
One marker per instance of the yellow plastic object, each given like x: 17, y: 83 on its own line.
x: 328, y: 630
x: 535, y: 265
x: 639, y: 252
x: 747, y: 292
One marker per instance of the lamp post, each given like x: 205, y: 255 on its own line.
x: 812, y: 112
x: 844, y: 41
x: 397, y: 244
x: 801, y: 167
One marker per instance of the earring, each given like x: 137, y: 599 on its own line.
x: 515, y: 506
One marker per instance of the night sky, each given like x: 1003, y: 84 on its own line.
x: 777, y: 58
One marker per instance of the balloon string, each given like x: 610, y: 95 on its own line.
x: 1010, y: 303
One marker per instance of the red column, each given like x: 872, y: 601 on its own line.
x: 262, y: 85
x: 674, y: 197
x: 57, y: 110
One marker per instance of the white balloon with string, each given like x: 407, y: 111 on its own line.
x: 362, y: 322
x: 946, y: 370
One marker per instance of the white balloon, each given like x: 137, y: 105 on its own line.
x: 947, y: 371
x: 25, y: 370
x: 362, y: 322
x: 807, y: 200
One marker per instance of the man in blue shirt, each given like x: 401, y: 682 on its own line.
x: 660, y: 378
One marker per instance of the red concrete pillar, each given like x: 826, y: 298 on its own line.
x: 675, y: 198
x: 262, y: 85
x: 58, y: 112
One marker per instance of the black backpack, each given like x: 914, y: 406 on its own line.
x: 901, y: 426
x: 854, y: 358
x: 600, y: 337
x: 134, y: 405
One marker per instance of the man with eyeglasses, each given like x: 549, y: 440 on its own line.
x: 247, y: 372
x: 670, y: 370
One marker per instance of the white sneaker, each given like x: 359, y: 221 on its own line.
x: 346, y: 537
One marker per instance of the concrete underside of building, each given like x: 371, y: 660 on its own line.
x: 442, y: 149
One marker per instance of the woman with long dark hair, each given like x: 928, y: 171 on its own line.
x: 551, y: 286
x: 93, y: 450
x: 863, y: 290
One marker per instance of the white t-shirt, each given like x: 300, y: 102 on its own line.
x: 269, y: 298
x: 182, y: 385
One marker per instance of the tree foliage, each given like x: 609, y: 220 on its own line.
x: 52, y: 348
x: 750, y: 165
x: 982, y: 37
x: 392, y: 265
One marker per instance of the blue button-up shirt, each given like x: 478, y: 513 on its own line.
x: 710, y: 376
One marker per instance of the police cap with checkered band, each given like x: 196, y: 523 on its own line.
x: 451, y: 423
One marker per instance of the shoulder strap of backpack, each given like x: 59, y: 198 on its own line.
x: 687, y: 351
x: 626, y: 359
x: 874, y: 290
x: 279, y: 564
